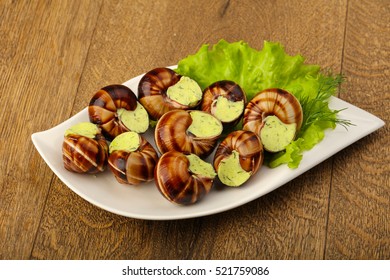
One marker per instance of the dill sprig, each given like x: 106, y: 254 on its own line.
x: 316, y: 109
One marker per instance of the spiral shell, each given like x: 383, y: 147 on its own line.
x: 248, y: 146
x: 103, y: 108
x: 275, y: 101
x: 227, y: 89
x: 83, y: 154
x: 171, y: 133
x: 176, y: 183
x: 135, y: 167
x: 152, y: 92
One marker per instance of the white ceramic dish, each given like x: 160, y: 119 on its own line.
x: 145, y: 201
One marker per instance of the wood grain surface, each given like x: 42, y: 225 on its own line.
x: 55, y: 54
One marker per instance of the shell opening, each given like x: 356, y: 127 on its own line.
x: 186, y: 92
x: 85, y: 129
x: 204, y: 125
x: 226, y: 110
x: 200, y: 167
x: 136, y: 120
x: 127, y: 141
x: 230, y: 172
x: 276, y: 135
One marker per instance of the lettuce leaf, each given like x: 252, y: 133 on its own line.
x: 253, y: 70
x: 256, y: 70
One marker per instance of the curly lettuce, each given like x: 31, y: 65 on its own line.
x: 271, y: 67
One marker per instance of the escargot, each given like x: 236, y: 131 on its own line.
x: 225, y: 100
x: 132, y: 158
x: 276, y: 116
x: 84, y: 149
x: 238, y: 157
x: 187, y: 131
x: 116, y: 110
x: 183, y: 178
x: 162, y: 89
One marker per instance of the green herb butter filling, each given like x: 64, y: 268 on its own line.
x: 200, y: 167
x: 186, y: 92
x: 127, y: 141
x: 137, y: 120
x: 85, y: 129
x: 226, y: 110
x: 276, y: 135
x: 204, y: 125
x: 230, y: 172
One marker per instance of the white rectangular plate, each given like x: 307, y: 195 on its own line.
x: 145, y: 201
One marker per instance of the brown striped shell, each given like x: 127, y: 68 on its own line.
x: 171, y: 134
x: 83, y: 154
x: 135, y: 167
x: 277, y: 102
x: 152, y: 92
x: 176, y: 183
x: 103, y: 108
x: 228, y: 89
x: 248, y: 146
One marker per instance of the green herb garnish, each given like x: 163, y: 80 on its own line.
x: 316, y: 109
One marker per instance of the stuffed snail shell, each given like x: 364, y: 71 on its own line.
x: 84, y: 149
x: 187, y: 131
x: 183, y: 178
x: 226, y: 101
x: 116, y: 110
x: 238, y: 157
x: 132, y: 159
x: 162, y: 89
x: 276, y: 116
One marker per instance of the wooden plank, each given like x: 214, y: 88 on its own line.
x: 132, y: 37
x: 42, y: 56
x: 359, y: 222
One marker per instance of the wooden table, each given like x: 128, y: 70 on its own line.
x: 55, y: 54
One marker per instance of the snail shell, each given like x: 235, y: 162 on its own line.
x: 171, y: 133
x: 249, y: 148
x: 176, y: 183
x: 275, y: 101
x: 104, y: 105
x: 152, y: 92
x: 134, y: 167
x: 83, y: 154
x: 227, y: 89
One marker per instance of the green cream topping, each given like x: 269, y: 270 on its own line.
x: 200, y: 167
x: 186, y: 92
x: 230, y: 171
x: 127, y: 141
x: 137, y: 120
x: 276, y: 135
x: 204, y: 125
x: 226, y: 110
x: 85, y: 129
